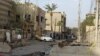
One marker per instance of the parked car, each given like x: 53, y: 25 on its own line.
x: 46, y: 38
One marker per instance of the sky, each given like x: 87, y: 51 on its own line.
x: 70, y: 7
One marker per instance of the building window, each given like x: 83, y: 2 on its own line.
x: 29, y: 31
x: 17, y: 18
x: 42, y: 19
x: 9, y: 13
x: 27, y: 17
x: 37, y: 18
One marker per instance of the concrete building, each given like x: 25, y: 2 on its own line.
x: 31, y: 16
x: 40, y: 21
x: 58, y: 22
x: 7, y: 16
x: 6, y: 12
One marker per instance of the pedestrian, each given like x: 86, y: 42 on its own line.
x: 8, y: 37
x: 19, y: 37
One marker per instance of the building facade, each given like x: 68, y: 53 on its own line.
x: 58, y: 22
x: 6, y: 13
x: 31, y: 17
x: 40, y: 21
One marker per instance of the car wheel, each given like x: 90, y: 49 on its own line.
x: 45, y: 40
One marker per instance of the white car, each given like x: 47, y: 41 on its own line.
x: 46, y: 38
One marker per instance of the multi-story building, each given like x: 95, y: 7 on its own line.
x: 40, y: 21
x: 6, y: 12
x: 58, y: 22
x: 31, y: 16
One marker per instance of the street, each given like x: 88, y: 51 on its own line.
x: 35, y: 46
x: 49, y: 28
x: 71, y: 51
x: 38, y: 46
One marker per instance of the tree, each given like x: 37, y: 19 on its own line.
x: 59, y: 24
x: 60, y: 27
x: 88, y: 21
x: 51, y: 8
x: 17, y: 1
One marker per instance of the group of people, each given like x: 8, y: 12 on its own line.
x: 8, y: 37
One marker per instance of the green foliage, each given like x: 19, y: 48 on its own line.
x: 18, y: 31
x: 51, y: 7
x: 88, y: 21
x: 59, y: 23
x: 17, y: 1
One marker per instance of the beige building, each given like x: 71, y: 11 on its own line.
x: 58, y: 21
x: 58, y: 24
x: 6, y: 13
x: 32, y: 17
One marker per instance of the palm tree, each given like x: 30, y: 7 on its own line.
x: 51, y: 8
x: 17, y: 1
x: 60, y: 27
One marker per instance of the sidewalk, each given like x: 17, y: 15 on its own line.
x: 4, y: 47
x: 71, y: 51
x: 96, y: 51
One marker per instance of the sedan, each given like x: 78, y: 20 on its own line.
x: 46, y: 38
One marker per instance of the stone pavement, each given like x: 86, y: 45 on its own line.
x: 4, y: 47
x: 71, y: 51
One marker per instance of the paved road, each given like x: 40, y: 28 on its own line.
x: 71, y: 51
x: 35, y: 46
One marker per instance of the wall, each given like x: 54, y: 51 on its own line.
x: 6, y: 12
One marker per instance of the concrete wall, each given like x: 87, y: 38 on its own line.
x: 90, y: 34
x: 2, y: 31
x: 6, y: 12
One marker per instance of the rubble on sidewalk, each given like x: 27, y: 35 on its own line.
x: 4, y: 47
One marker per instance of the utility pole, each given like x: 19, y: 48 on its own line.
x: 79, y: 12
x: 91, y: 6
x: 97, y: 20
x: 55, y: 28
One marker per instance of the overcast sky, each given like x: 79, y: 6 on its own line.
x: 70, y: 7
